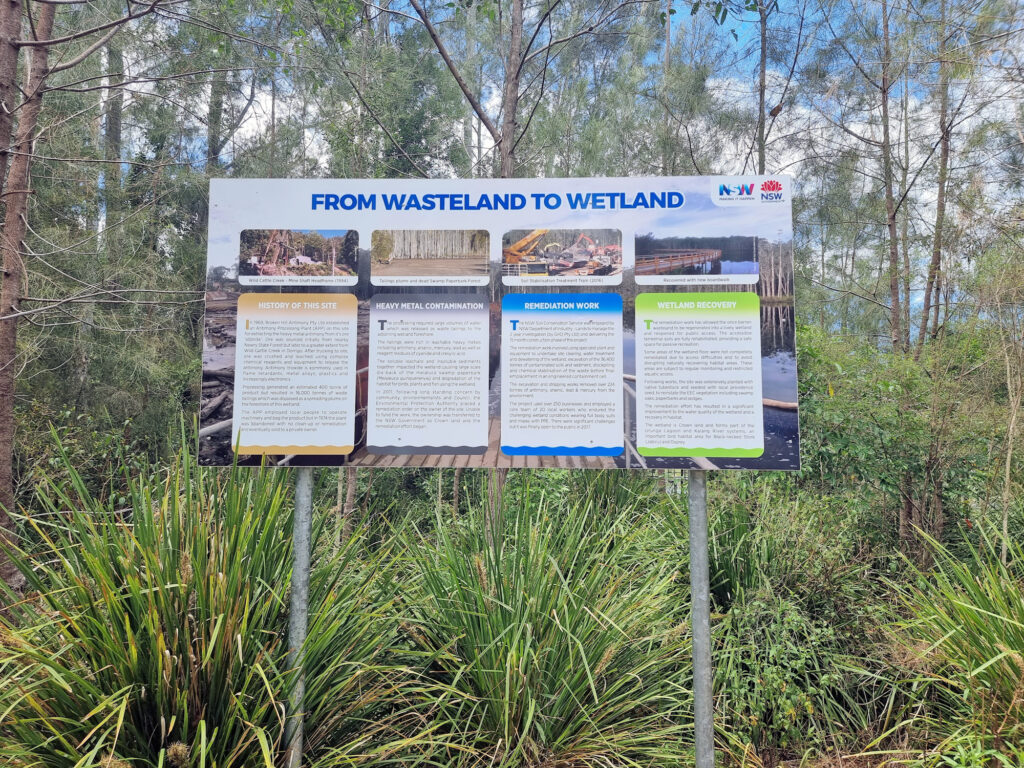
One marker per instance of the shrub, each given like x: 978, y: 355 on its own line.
x: 562, y: 653
x: 967, y: 627
x: 156, y: 633
x: 796, y: 665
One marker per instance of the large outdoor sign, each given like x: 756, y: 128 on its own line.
x: 639, y: 322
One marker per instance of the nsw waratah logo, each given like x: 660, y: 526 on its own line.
x: 771, y: 191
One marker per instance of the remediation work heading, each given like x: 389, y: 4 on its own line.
x: 579, y: 201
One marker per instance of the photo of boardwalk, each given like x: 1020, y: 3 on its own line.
x: 678, y: 255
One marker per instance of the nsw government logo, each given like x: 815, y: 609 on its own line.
x: 771, y: 191
x: 730, y: 191
x: 739, y: 191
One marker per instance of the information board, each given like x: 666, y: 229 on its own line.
x: 594, y: 323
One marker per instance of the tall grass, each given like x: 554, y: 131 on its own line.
x: 561, y: 647
x: 967, y: 634
x: 155, y: 633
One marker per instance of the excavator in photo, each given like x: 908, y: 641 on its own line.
x: 583, y: 257
x: 523, y: 250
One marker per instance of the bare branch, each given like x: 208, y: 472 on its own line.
x: 850, y: 293
x: 229, y: 134
x: 100, y: 295
x: 587, y: 29
x: 842, y: 44
x: 195, y: 21
x: 536, y: 31
x: 392, y: 11
x: 470, y: 96
x: 92, y: 31
x: 86, y: 53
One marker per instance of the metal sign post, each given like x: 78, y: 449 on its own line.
x: 700, y: 620
x: 298, y: 614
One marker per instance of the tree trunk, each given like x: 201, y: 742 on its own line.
x: 762, y: 18
x: 905, y: 218
x: 468, y: 127
x: 366, y: 494
x: 111, y: 108
x: 1011, y: 430
x: 509, y: 125
x: 215, y: 122
x: 907, y: 517
x: 666, y: 147
x: 339, y: 507
x: 510, y: 94
x: 350, y: 503
x: 112, y: 121
x: 455, y: 492
x: 895, y: 314
x: 940, y: 191
x: 15, y: 276
x: 10, y: 31
x: 938, y: 509
x: 936, y: 303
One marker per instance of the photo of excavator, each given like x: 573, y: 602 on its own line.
x: 561, y: 252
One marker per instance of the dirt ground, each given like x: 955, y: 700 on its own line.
x: 217, y: 401
x: 854, y: 761
x: 429, y: 267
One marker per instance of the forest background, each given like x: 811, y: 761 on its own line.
x: 869, y: 604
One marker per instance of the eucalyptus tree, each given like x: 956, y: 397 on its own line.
x: 121, y: 117
x: 57, y: 39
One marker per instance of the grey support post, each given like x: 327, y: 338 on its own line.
x: 298, y: 614
x: 700, y: 621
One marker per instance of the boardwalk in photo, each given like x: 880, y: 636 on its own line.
x: 670, y: 261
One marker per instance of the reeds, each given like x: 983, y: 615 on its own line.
x: 155, y: 634
x: 967, y: 638
x: 563, y: 650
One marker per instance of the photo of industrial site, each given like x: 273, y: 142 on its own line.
x: 561, y: 256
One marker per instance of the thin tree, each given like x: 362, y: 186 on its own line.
x: 16, y: 190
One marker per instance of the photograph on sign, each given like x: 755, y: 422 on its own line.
x: 561, y: 257
x: 429, y: 257
x: 674, y: 260
x: 298, y: 257
x: 576, y: 323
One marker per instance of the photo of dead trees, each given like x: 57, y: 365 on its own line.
x: 429, y: 252
x: 298, y: 252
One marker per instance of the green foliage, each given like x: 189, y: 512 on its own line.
x: 158, y: 630
x: 787, y: 682
x: 967, y: 631
x: 104, y: 454
x: 882, y: 430
x: 796, y: 665
x: 562, y: 654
